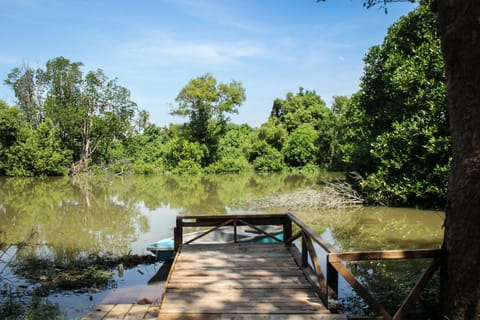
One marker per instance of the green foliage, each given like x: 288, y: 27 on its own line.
x: 301, y: 146
x: 299, y: 110
x: 183, y: 156
x: 395, y: 130
x: 264, y: 157
x: 273, y: 133
x: 87, y: 113
x: 296, y: 110
x: 29, y: 95
x: 207, y: 104
x: 351, y: 147
x: 38, y: 153
x: 231, y: 157
x: 12, y: 125
x: 232, y: 163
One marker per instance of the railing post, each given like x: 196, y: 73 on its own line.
x: 304, y: 251
x: 287, y: 229
x: 332, y: 280
x: 235, y: 230
x: 178, y: 235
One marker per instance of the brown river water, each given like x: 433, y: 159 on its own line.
x: 67, y: 218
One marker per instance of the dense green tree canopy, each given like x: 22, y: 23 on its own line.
x: 207, y: 104
x: 297, y: 109
x: 83, y: 112
x: 395, y: 130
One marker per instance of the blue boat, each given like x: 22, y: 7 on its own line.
x: 164, y: 249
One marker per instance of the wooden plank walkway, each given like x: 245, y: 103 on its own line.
x: 123, y: 311
x: 239, y: 281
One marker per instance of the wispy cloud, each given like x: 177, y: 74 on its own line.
x: 163, y: 49
x: 219, y: 13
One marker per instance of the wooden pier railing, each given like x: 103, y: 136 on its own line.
x: 325, y: 282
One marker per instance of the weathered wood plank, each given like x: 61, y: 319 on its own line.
x: 99, y: 312
x: 238, y: 279
x: 137, y: 311
x: 118, y: 311
x: 238, y: 272
x: 248, y: 316
x: 127, y: 311
x: 385, y: 255
x: 247, y: 293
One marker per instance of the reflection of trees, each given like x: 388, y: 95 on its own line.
x: 103, y: 214
x: 379, y: 228
x: 206, y: 194
x: 70, y: 216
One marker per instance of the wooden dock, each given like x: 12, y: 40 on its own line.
x: 239, y: 281
x: 128, y: 311
x: 271, y: 281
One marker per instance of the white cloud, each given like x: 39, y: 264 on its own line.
x: 162, y: 49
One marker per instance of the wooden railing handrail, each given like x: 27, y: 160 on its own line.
x: 328, y: 247
x: 216, y: 221
x: 384, y: 255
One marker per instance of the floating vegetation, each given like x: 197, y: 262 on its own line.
x: 91, y: 272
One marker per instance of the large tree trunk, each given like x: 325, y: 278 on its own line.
x: 459, y: 22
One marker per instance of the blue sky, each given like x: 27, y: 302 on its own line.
x: 154, y: 47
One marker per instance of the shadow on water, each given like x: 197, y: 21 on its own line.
x: 69, y: 219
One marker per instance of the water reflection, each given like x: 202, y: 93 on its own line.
x: 117, y: 215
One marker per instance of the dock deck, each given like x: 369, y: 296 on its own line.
x: 238, y: 281
x: 271, y: 281
x: 129, y: 311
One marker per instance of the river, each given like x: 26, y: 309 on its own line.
x: 67, y: 218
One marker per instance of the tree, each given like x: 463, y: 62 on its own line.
x: 183, y: 156
x: 306, y: 107
x: 339, y: 137
x: 12, y: 127
x: 231, y: 155
x: 297, y: 109
x: 38, y: 153
x: 273, y: 133
x: 62, y: 81
x: 87, y: 113
x: 25, y: 151
x: 29, y: 95
x: 301, y: 146
x: 402, y: 110
x: 206, y: 103
x: 459, y: 30
x: 460, y: 280
x: 106, y: 114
